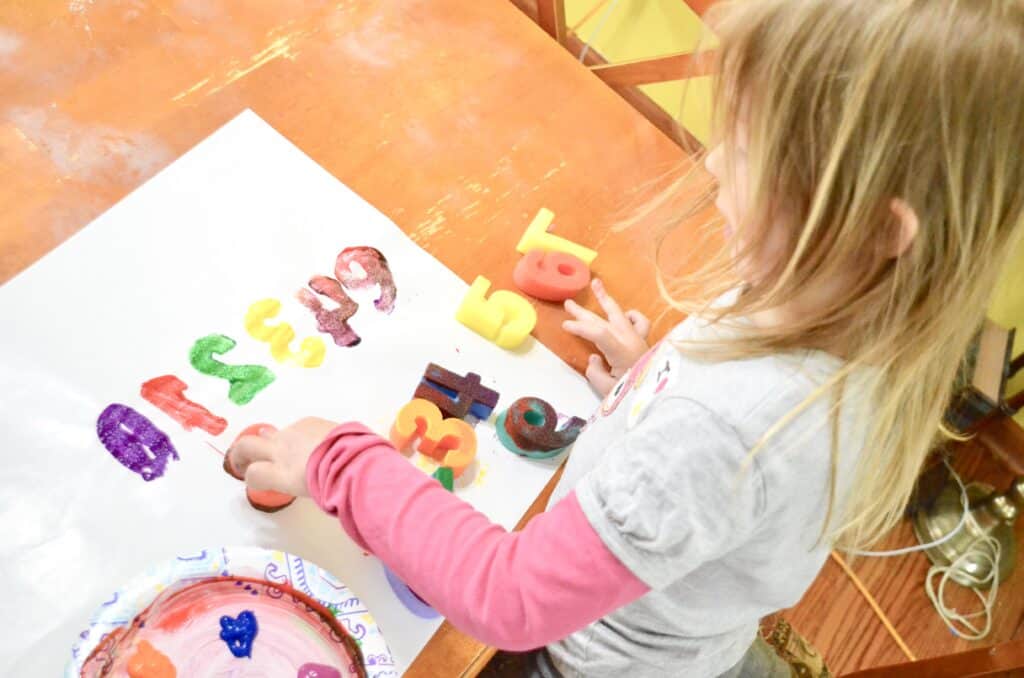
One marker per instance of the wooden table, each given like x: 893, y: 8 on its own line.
x: 457, y: 119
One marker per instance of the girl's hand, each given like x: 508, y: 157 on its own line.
x: 278, y: 461
x: 622, y: 338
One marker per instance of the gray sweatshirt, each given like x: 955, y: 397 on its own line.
x: 662, y: 474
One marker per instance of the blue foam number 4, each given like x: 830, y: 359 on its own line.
x: 246, y: 380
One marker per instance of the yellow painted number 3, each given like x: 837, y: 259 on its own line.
x: 311, y: 350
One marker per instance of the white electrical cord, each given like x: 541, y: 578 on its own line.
x: 985, y: 548
x: 964, y: 501
x: 597, y: 29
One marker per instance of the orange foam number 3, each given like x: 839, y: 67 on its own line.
x: 506, y: 318
x: 450, y: 441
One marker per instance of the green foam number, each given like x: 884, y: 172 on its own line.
x: 446, y: 477
x: 246, y: 380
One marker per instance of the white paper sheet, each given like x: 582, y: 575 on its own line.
x: 243, y: 216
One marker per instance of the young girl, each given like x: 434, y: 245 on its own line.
x: 870, y: 178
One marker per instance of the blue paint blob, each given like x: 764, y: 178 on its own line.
x: 239, y: 633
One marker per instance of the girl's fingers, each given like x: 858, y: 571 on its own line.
x: 600, y: 336
x: 598, y: 375
x: 610, y: 306
x: 641, y: 325
x: 265, y: 475
x: 592, y: 332
x: 248, y: 450
x: 580, y: 313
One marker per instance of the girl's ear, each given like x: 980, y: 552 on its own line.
x: 907, y: 225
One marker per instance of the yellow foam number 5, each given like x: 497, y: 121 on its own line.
x: 505, y: 318
x: 311, y: 351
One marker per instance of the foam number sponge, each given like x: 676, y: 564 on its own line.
x: 450, y: 441
x: 444, y: 475
x: 537, y: 237
x: 551, y: 276
x: 456, y: 396
x: 529, y: 428
x: 268, y: 501
x: 505, y: 318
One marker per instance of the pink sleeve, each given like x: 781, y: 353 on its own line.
x: 512, y: 590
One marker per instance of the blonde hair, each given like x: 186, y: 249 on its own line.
x: 849, y: 104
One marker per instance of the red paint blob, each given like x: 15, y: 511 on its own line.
x: 168, y: 394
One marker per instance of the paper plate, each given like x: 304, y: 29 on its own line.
x: 273, y: 566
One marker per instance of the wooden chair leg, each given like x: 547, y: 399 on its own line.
x: 1015, y: 402
x: 1016, y: 364
x: 551, y: 17
x: 656, y: 69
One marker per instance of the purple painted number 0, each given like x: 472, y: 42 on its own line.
x: 134, y: 441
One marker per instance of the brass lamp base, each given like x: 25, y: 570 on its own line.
x: 993, y: 516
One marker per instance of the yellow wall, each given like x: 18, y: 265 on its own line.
x: 1008, y: 309
x: 645, y: 28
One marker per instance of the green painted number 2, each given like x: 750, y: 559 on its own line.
x: 246, y: 380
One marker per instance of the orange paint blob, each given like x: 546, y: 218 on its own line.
x: 148, y: 662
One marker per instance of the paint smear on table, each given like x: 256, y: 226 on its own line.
x: 91, y: 153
